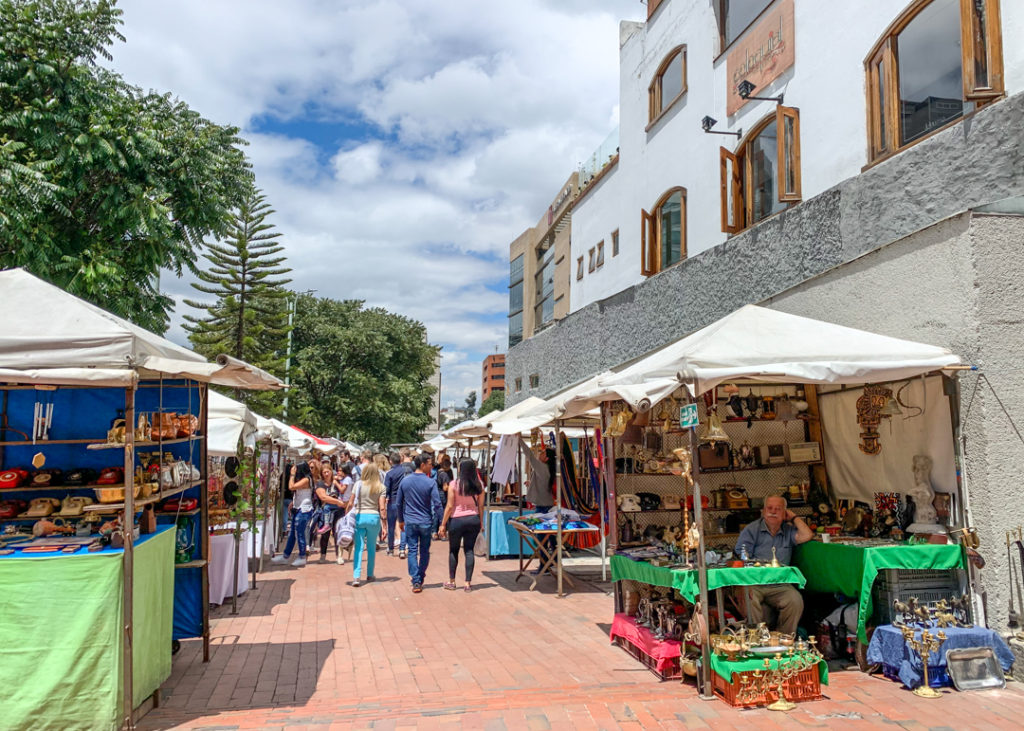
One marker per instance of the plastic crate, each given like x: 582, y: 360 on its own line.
x: 901, y: 584
x: 674, y: 673
x: 805, y: 686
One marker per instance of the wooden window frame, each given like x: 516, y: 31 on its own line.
x: 600, y: 255
x: 592, y: 259
x: 579, y: 269
x: 656, y: 105
x: 735, y: 170
x: 615, y: 243
x: 650, y: 234
x: 723, y: 45
x: 882, y: 75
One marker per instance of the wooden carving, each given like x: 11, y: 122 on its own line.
x: 869, y: 416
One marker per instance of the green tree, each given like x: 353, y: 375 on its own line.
x: 360, y: 372
x: 102, y: 185
x: 471, y: 402
x: 248, y: 319
x: 494, y: 402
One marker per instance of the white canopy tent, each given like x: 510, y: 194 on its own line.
x: 228, y: 422
x: 296, y: 440
x: 756, y: 343
x: 59, y: 339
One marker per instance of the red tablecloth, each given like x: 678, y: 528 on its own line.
x: 663, y: 651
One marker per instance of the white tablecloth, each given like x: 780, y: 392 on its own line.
x: 222, y: 558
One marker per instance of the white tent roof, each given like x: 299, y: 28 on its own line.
x: 228, y: 421
x: 437, y: 442
x: 50, y: 336
x: 756, y: 343
x: 538, y: 412
x: 266, y: 429
x: 298, y: 441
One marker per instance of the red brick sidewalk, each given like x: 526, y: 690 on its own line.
x: 308, y: 651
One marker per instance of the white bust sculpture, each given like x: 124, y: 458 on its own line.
x: 924, y: 516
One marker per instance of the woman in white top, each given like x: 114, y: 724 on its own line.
x: 300, y: 482
x: 368, y: 504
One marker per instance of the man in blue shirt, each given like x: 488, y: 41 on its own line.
x: 781, y: 529
x: 391, y: 480
x: 419, y: 515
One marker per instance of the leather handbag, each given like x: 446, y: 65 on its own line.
x: 165, y: 426
x: 714, y: 457
x: 13, y: 478
x: 187, y: 424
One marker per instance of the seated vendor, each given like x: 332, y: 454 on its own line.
x: 781, y: 529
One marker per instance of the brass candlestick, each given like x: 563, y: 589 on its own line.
x: 761, y: 682
x: 925, y: 647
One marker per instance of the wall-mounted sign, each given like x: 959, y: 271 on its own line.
x: 764, y: 52
x: 688, y: 416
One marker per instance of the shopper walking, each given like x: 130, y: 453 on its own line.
x: 345, y: 483
x: 391, y: 480
x: 300, y: 482
x: 368, y: 504
x: 332, y: 507
x: 419, y: 514
x: 463, y: 520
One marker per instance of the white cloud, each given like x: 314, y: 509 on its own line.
x: 472, y: 121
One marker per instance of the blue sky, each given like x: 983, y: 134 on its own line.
x: 403, y: 143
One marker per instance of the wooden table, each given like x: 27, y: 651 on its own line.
x: 542, y: 550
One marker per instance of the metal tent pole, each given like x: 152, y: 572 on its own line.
x: 702, y: 570
x: 128, y: 559
x: 204, y: 514
x: 558, y: 498
x: 252, y: 506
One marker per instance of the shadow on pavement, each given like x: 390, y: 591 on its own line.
x: 280, y: 590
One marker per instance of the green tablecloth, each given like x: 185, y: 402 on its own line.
x: 725, y: 669
x: 851, y: 570
x: 61, y: 639
x: 685, y: 580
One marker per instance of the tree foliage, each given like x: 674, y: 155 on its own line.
x: 494, y: 402
x: 471, y: 402
x: 102, y: 185
x: 360, y: 373
x: 248, y: 318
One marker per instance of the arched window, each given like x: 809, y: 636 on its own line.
x: 663, y: 233
x: 763, y: 176
x: 935, y: 63
x: 669, y: 83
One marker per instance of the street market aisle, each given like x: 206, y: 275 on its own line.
x: 308, y: 651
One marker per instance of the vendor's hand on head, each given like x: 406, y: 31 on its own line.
x: 790, y: 515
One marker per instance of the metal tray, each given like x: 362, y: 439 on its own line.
x: 974, y: 668
x: 775, y: 649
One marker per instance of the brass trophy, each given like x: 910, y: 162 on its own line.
x: 773, y: 679
x: 927, y: 646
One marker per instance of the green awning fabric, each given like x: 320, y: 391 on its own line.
x: 685, y: 580
x: 61, y: 639
x: 851, y: 570
x: 725, y: 668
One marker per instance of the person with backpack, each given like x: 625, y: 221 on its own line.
x: 369, y: 508
x: 327, y: 497
x: 463, y: 520
x: 345, y: 483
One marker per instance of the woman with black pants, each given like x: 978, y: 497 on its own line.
x: 463, y: 518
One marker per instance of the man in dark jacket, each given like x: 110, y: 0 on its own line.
x: 419, y: 515
x: 391, y: 480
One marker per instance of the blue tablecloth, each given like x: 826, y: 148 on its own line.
x: 890, y: 650
x: 503, y: 538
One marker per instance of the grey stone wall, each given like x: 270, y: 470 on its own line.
x: 978, y: 161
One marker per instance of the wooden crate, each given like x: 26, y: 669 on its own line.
x: 674, y: 673
x: 805, y: 686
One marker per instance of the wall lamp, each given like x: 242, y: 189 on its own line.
x: 745, y: 88
x: 708, y: 122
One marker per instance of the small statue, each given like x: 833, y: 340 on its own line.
x: 925, y: 516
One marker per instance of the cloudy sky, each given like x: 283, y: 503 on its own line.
x: 403, y: 143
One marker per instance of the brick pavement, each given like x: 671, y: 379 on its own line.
x: 307, y: 651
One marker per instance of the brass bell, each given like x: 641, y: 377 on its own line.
x: 714, y: 432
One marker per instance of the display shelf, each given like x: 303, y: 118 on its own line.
x: 656, y: 510
x: 191, y: 564
x: 744, y: 420
x: 44, y: 442
x: 146, y: 443
x: 720, y: 470
x: 114, y: 507
x: 175, y: 513
x: 48, y: 488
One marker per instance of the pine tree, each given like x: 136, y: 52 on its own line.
x: 249, y: 319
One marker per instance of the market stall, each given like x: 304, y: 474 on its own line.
x: 772, y: 394
x: 102, y: 440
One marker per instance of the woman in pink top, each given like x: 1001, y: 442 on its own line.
x: 465, y: 510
